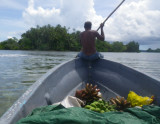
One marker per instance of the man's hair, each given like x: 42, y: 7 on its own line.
x: 87, y: 25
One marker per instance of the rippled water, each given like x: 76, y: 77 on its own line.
x: 20, y: 69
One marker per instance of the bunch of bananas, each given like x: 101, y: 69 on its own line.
x: 89, y: 94
x: 120, y: 102
x: 100, y: 106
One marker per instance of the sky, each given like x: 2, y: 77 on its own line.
x: 135, y: 20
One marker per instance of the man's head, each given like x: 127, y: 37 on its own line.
x: 87, y: 25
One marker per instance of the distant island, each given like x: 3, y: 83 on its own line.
x: 150, y: 50
x: 58, y: 38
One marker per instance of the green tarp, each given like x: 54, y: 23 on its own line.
x: 59, y: 115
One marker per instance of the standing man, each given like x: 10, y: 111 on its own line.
x: 87, y: 40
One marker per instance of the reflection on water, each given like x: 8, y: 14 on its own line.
x: 20, y: 69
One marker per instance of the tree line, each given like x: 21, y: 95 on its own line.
x: 59, y: 38
x: 151, y: 50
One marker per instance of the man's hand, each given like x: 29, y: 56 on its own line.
x: 101, y: 37
x: 102, y: 32
x: 101, y: 25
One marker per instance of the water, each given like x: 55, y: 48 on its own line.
x: 20, y: 69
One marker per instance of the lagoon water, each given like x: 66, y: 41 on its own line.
x: 20, y: 69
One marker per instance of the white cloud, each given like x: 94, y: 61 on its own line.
x: 40, y: 16
x: 135, y: 20
x: 71, y: 14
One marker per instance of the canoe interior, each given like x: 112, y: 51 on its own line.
x: 112, y: 78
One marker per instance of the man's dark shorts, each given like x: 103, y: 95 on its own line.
x: 92, y: 57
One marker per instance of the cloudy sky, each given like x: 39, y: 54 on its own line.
x: 136, y: 20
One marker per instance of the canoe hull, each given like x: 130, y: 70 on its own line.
x: 111, y: 77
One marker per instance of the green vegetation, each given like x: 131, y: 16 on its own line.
x: 103, y: 46
x: 156, y: 50
x: 118, y: 47
x: 10, y: 44
x: 132, y: 46
x: 50, y: 38
x: 58, y: 38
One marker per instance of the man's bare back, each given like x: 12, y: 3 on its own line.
x: 87, y: 39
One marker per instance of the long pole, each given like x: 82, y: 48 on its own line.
x: 111, y: 13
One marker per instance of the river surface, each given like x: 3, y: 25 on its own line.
x: 20, y: 69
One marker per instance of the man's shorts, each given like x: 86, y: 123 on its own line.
x: 92, y: 57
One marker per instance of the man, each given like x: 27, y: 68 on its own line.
x: 87, y: 40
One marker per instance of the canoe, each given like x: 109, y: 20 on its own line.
x: 111, y: 77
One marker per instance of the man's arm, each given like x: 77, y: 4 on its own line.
x: 102, y: 32
x: 102, y: 36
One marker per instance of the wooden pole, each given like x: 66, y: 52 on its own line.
x: 111, y: 13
